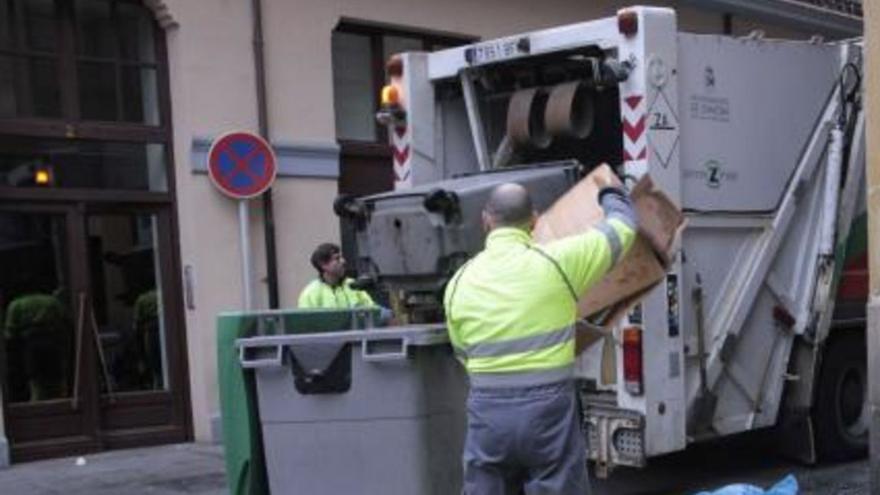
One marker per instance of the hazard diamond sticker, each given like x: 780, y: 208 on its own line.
x: 662, y: 129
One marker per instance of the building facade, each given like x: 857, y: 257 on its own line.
x: 116, y: 251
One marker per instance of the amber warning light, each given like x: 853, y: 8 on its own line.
x: 390, y: 95
x: 391, y: 108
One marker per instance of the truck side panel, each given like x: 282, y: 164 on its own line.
x: 751, y: 247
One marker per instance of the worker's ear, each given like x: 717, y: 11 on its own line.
x: 325, y: 267
x: 488, y: 224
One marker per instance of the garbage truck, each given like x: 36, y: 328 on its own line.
x: 759, y: 321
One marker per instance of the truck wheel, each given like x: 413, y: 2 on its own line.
x: 841, y: 409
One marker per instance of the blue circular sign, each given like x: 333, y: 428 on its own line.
x: 241, y: 164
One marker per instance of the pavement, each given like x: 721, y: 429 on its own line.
x: 195, y: 468
x: 190, y: 468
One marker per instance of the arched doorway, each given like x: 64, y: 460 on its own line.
x: 93, y: 347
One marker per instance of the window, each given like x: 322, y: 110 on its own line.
x: 91, y: 60
x: 29, y: 77
x: 353, y: 86
x: 84, y: 164
x: 81, y: 95
x: 359, y: 55
x: 115, y: 62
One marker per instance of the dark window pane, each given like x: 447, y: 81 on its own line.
x: 95, y: 33
x: 28, y: 25
x: 140, y: 95
x: 136, y: 29
x: 97, y: 91
x: 40, y: 25
x: 353, y: 93
x: 45, y: 87
x: 392, y: 45
x: 29, y: 87
x: 82, y: 164
x: 9, y: 97
x: 7, y: 25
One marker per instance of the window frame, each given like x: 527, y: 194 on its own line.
x: 70, y: 124
x: 376, y: 32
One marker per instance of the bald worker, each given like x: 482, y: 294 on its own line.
x: 510, y: 313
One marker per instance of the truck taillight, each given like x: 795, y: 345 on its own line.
x: 632, y: 360
x: 628, y: 23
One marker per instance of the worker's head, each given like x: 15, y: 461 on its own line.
x: 328, y: 260
x: 509, y: 205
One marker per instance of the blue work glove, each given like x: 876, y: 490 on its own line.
x: 615, y: 202
x: 385, y: 316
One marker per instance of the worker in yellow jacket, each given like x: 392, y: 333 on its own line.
x: 511, y: 312
x: 332, y: 290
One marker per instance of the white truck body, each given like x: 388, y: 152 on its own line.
x: 737, y: 132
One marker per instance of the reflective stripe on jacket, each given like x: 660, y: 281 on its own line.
x: 511, y: 309
x: 319, y: 294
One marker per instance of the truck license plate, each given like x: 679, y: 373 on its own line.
x: 492, y: 51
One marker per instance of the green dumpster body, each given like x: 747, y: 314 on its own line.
x: 242, y: 439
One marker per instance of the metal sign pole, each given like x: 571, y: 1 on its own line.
x: 243, y: 229
x: 242, y: 165
x: 872, y: 89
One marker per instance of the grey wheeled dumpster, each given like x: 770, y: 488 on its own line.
x: 377, y: 411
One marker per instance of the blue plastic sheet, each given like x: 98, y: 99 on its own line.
x: 788, y: 486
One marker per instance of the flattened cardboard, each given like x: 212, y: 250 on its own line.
x: 644, y: 265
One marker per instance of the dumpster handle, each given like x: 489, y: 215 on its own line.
x: 400, y: 351
x: 273, y: 362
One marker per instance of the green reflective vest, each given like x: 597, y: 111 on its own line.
x: 319, y: 294
x: 511, y: 310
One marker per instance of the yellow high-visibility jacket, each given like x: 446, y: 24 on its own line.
x: 319, y: 294
x: 511, y: 310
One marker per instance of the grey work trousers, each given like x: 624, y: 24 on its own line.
x: 525, y: 440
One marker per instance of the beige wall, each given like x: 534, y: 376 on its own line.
x: 213, y: 91
x: 212, y: 88
x: 872, y: 131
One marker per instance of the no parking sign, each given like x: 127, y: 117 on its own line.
x: 241, y: 165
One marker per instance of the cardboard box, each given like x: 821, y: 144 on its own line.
x: 644, y: 265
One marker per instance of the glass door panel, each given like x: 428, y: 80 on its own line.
x: 89, y: 356
x: 127, y: 308
x: 39, y: 317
